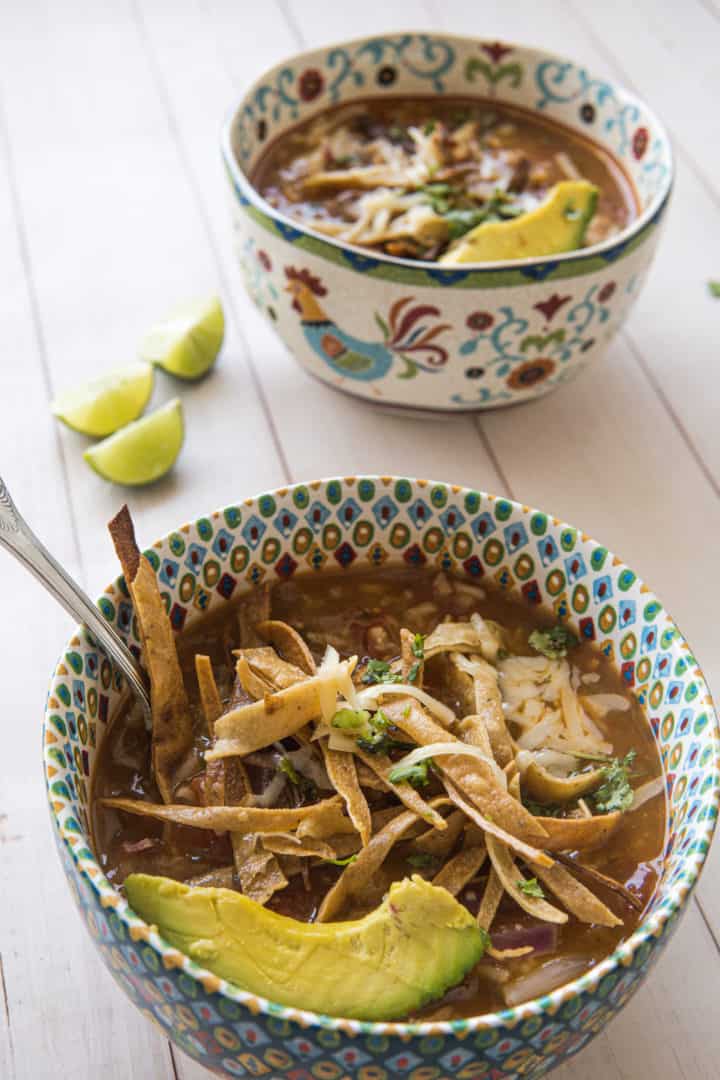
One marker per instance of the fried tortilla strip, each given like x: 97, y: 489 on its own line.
x: 476, y: 780
x: 533, y: 855
x: 224, y: 878
x: 340, y: 767
x: 226, y: 781
x: 258, y: 871
x: 472, y: 730
x: 271, y: 668
x: 453, y: 637
x: 578, y: 834
x: 355, y: 876
x: 512, y: 880
x: 488, y: 705
x: 369, y: 779
x: 543, y: 787
x: 579, y: 901
x: 246, y: 819
x: 603, y: 880
x: 253, y: 609
x: 278, y: 715
x: 491, y: 900
x: 382, y: 766
x: 408, y: 659
x: 328, y: 820
x: 462, y: 868
x: 172, y: 734
x: 288, y: 642
x: 441, y: 842
x: 289, y: 844
x: 253, y: 685
x: 209, y: 697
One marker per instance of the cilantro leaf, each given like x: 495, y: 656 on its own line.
x: 302, y: 783
x: 341, y: 862
x: 542, y: 810
x: 377, y: 737
x: 429, y: 127
x: 418, y: 646
x: 417, y: 775
x: 615, y: 792
x: 553, y: 643
x: 421, y: 860
x: 378, y: 671
x: 531, y: 887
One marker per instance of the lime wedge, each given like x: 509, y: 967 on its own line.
x: 143, y: 451
x: 188, y: 341
x: 107, y: 403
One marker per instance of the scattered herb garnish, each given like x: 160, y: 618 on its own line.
x: 302, y: 783
x: 378, y: 671
x: 714, y: 289
x: 351, y: 719
x: 417, y: 775
x: 341, y: 862
x: 531, y: 887
x: 543, y: 810
x: 553, y: 643
x: 418, y: 650
x: 377, y: 738
x: 615, y: 792
x: 421, y: 860
x: 502, y: 654
x: 429, y: 127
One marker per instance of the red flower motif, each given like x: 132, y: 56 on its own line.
x: 606, y: 292
x: 479, y: 321
x: 310, y: 84
x: 496, y: 51
x: 551, y: 306
x: 264, y: 260
x: 640, y: 142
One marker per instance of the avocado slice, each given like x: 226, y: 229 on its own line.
x: 557, y: 225
x: 419, y: 942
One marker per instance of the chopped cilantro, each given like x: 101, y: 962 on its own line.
x: 418, y: 646
x: 302, y: 783
x: 714, y: 289
x: 531, y: 887
x: 615, y: 792
x: 421, y: 860
x: 429, y: 127
x: 461, y: 221
x: 417, y: 775
x: 377, y: 738
x: 378, y: 671
x: 341, y: 862
x: 553, y: 643
x: 351, y: 719
x: 542, y: 810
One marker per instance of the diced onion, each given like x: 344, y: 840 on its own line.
x: 605, y: 703
x: 451, y: 749
x: 271, y: 793
x: 367, y: 698
x: 648, y: 791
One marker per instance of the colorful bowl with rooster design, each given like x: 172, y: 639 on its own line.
x: 372, y: 521
x: 414, y: 334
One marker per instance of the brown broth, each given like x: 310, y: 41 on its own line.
x: 362, y: 612
x: 511, y: 137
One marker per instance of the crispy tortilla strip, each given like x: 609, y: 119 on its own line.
x: 356, y: 876
x: 408, y: 659
x: 288, y: 642
x: 270, y: 667
x: 226, y: 781
x: 601, y: 879
x: 172, y: 734
x: 532, y: 854
x: 511, y: 878
x: 340, y: 767
x: 578, y: 834
x: 491, y: 900
x: 476, y: 780
x: 367, y: 177
x: 441, y: 841
x: 254, y: 686
x: 209, y: 696
x: 224, y: 878
x: 330, y: 821
x: 488, y: 705
x: 253, y: 609
x: 368, y: 778
x: 472, y: 730
x: 450, y: 637
x: 382, y: 766
x: 258, y: 871
x: 579, y: 901
x: 246, y: 819
x: 542, y: 786
x: 251, y: 727
x: 289, y: 844
x: 462, y: 868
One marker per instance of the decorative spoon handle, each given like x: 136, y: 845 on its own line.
x: 20, y: 541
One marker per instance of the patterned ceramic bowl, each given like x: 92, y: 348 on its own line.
x: 335, y: 525
x: 502, y: 332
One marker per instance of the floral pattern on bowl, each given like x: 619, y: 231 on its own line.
x: 371, y: 521
x: 338, y: 329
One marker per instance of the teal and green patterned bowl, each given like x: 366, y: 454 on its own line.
x: 416, y: 335
x: 372, y: 521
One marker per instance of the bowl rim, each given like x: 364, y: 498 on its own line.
x: 666, y: 913
x: 246, y: 190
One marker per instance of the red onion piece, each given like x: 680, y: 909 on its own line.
x: 541, y: 937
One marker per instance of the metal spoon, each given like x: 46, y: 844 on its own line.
x: 21, y: 541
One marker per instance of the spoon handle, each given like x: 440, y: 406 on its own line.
x: 20, y: 541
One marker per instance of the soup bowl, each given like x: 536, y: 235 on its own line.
x: 371, y: 521
x: 502, y: 332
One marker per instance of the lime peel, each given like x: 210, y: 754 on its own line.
x: 103, y: 404
x: 188, y: 341
x: 143, y: 451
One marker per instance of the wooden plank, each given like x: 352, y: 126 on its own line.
x: 47, y: 961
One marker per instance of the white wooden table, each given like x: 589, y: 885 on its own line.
x: 112, y: 208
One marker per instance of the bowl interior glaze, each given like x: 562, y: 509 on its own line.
x: 373, y: 521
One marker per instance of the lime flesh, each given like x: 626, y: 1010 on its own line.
x: 143, y: 451
x: 188, y: 341
x: 108, y: 402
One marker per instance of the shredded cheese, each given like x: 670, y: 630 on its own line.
x: 368, y: 699
x: 451, y: 749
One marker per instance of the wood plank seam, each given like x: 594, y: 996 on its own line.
x: 6, y: 1011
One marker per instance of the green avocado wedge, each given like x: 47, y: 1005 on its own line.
x: 556, y: 226
x: 419, y: 942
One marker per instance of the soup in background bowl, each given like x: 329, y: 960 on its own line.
x: 414, y: 545
x: 362, y: 280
